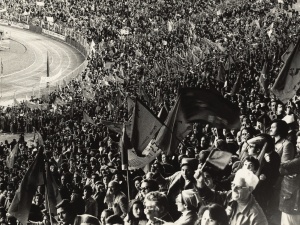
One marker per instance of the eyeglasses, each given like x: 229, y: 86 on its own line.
x: 234, y: 186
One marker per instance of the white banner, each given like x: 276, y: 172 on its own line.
x: 40, y: 3
x: 150, y: 152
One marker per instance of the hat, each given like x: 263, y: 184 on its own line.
x: 86, y: 219
x: 190, y: 198
x: 192, y: 162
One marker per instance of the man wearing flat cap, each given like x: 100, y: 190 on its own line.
x: 179, y: 181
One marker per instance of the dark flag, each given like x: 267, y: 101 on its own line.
x: 221, y: 73
x: 263, y: 79
x: 210, y: 106
x: 176, y: 128
x: 287, y: 83
x: 21, y: 203
x: 237, y: 85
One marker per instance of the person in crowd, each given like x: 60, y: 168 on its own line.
x: 116, y: 199
x: 147, y: 185
x: 65, y: 212
x: 99, y: 196
x: 86, y: 219
x: 77, y: 202
x: 136, y: 215
x: 91, y: 206
x: 187, y: 203
x: 241, y: 206
x: 156, y: 208
x: 290, y: 189
x: 213, y: 214
x: 179, y: 181
x: 114, y: 220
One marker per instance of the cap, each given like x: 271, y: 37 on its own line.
x: 192, y: 162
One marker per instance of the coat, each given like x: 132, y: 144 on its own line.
x: 290, y: 187
x: 285, y: 149
x: 187, y: 218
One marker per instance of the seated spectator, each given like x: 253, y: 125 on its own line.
x: 213, y: 214
x: 136, y: 215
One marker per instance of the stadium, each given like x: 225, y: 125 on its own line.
x: 149, y: 112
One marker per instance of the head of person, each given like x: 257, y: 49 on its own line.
x: 99, y: 186
x: 243, y: 185
x: 137, y: 182
x: 187, y: 201
x: 114, y: 220
x: 155, y: 205
x: 104, y: 215
x: 214, y: 214
x: 136, y: 211
x: 87, y: 191
x: 251, y: 163
x: 188, y: 167
x: 113, y: 187
x: 279, y: 128
x: 65, y: 212
x: 148, y: 185
x: 262, y: 143
x: 85, y: 219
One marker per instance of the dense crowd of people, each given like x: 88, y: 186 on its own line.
x: 149, y: 50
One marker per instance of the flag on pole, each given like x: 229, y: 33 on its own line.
x: 10, y: 160
x: 125, y: 145
x: 210, y: 106
x: 21, y: 203
x: 263, y: 78
x: 116, y: 127
x: 145, y: 125
x: 40, y: 140
x: 221, y: 73
x: 219, y: 159
x: 176, y: 128
x: 110, y: 106
x: 87, y: 119
x: 53, y: 196
x: 287, y: 83
x: 237, y: 85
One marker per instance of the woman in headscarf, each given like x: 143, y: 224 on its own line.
x: 187, y: 204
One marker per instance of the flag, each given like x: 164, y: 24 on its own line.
x: 48, y: 70
x: 21, y: 203
x: 125, y: 145
x: 176, y: 128
x: 130, y: 106
x: 87, y: 119
x: 287, y: 82
x: 163, y: 113
x: 237, y: 85
x: 263, y: 78
x: 287, y: 53
x: 52, y: 194
x: 110, y: 106
x: 210, y: 106
x: 219, y: 159
x: 16, y: 102
x: 40, y: 140
x: 221, y: 73
x: 116, y: 127
x: 228, y: 63
x: 144, y: 126
x: 144, y: 94
x: 10, y: 160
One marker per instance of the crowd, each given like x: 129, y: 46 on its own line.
x: 149, y: 49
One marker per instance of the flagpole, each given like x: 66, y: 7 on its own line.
x: 47, y: 196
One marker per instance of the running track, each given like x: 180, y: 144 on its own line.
x: 25, y: 63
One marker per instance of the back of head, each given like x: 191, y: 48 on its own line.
x: 85, y: 219
x: 160, y: 199
x: 114, y: 219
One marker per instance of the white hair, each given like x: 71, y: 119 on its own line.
x: 248, y: 176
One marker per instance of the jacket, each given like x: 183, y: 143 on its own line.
x: 252, y: 214
x: 290, y: 187
x: 285, y: 149
x: 187, y: 218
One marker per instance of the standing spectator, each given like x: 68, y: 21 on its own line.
x: 91, y: 206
